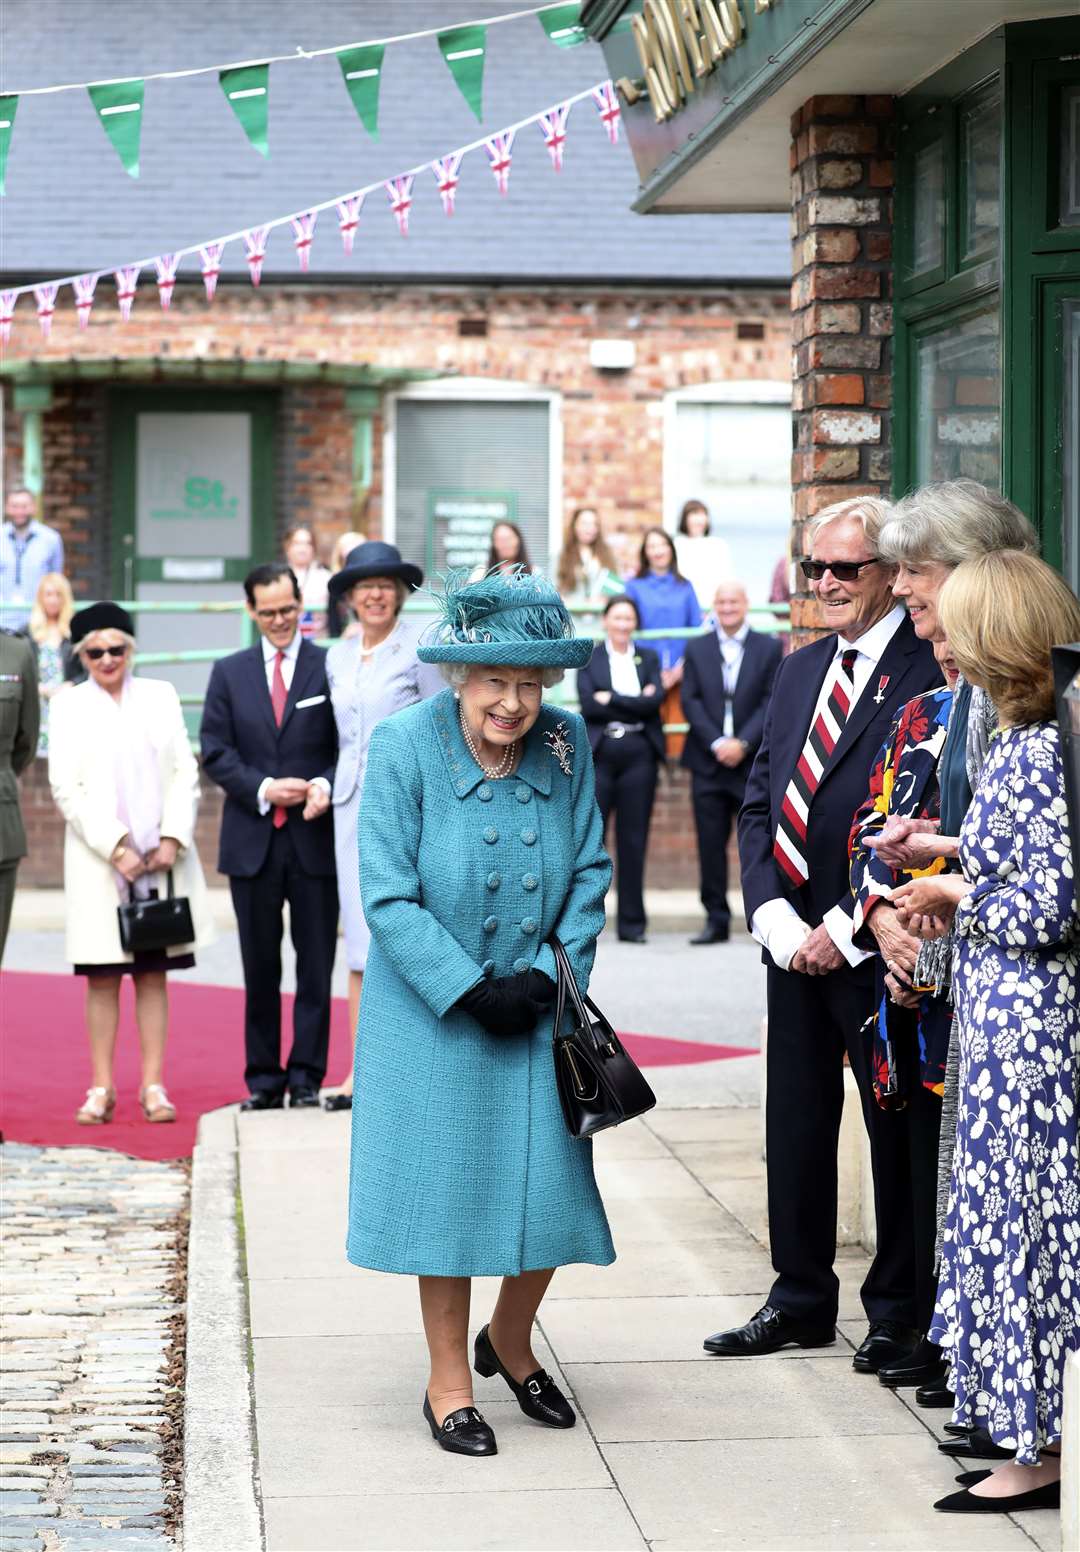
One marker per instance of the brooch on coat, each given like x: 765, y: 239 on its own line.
x: 561, y: 747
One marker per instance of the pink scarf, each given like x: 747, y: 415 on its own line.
x: 137, y: 778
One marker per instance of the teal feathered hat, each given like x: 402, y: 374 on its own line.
x: 512, y: 619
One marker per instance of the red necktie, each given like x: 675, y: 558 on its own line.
x: 790, y: 843
x: 278, y: 696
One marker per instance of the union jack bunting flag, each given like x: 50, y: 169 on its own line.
x: 348, y: 211
x: 45, y: 297
x: 553, y: 128
x: 165, y: 264
x: 399, y: 193
x: 303, y: 231
x: 7, y: 313
x: 84, y: 297
x: 608, y: 107
x: 211, y: 267
x: 498, y: 149
x: 126, y: 281
x: 446, y: 169
x: 255, y: 246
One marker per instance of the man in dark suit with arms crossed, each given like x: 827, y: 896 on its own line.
x: 727, y: 679
x: 832, y: 705
x: 269, y: 738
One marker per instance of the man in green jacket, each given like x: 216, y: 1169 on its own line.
x: 20, y: 716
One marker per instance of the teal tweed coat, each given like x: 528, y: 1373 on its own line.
x: 461, y: 1163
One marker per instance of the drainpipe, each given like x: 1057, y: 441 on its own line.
x: 363, y: 405
x: 31, y: 400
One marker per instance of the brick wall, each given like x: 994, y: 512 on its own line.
x: 841, y: 303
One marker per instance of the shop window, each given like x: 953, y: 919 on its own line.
x: 1069, y: 206
x: 980, y: 168
x: 958, y: 390
x: 928, y: 214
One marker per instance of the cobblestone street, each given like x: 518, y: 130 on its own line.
x: 92, y: 1381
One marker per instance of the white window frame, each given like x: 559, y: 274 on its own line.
x: 487, y: 389
x: 742, y: 391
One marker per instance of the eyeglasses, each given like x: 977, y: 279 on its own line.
x: 95, y: 654
x: 268, y: 616
x: 376, y: 587
x: 842, y: 570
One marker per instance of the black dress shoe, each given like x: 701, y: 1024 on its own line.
x: 264, y: 1100
x: 976, y: 1445
x: 1046, y: 1497
x: 766, y: 1332
x: 303, y: 1099
x: 538, y: 1396
x: 921, y: 1367
x: 959, y: 1430
x: 711, y: 935
x: 938, y: 1394
x: 632, y: 937
x: 463, y: 1432
x: 886, y: 1342
x: 337, y: 1102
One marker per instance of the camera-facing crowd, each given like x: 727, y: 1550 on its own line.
x: 906, y: 867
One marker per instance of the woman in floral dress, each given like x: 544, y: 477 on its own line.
x: 1008, y: 1306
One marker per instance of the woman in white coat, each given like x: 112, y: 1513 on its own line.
x: 125, y: 779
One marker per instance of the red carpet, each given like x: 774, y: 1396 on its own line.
x: 44, y: 1066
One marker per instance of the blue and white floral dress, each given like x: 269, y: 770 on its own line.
x: 1008, y: 1308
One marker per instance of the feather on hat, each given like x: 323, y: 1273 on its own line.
x: 514, y: 619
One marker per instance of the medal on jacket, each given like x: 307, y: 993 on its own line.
x: 882, y: 685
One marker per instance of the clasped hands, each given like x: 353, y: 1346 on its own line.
x: 904, y: 844
x: 290, y: 791
x: 509, y: 1004
x: 131, y: 865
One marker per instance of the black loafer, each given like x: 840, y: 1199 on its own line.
x: 976, y: 1445
x: 632, y: 937
x: 885, y: 1343
x: 463, y: 1432
x: 263, y: 1100
x: 938, y: 1394
x: 766, y: 1332
x: 924, y: 1366
x: 538, y: 1396
x: 303, y: 1099
x: 337, y: 1102
x: 711, y: 935
x: 1046, y: 1497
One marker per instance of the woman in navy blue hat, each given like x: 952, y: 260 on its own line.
x: 372, y: 674
x: 480, y: 836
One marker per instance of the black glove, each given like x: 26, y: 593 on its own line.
x: 508, y: 1004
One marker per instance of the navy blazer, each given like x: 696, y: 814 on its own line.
x: 909, y: 667
x: 242, y: 745
x: 703, y: 701
x: 596, y: 675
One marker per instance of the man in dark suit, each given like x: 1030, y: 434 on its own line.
x: 727, y: 679
x: 269, y: 738
x: 832, y: 705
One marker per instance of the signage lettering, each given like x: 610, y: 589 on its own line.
x: 680, y: 42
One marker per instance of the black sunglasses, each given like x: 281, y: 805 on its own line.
x: 95, y: 654
x: 842, y: 570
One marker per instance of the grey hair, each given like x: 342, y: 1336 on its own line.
x: 457, y: 674
x: 953, y: 522
x: 90, y: 637
x: 871, y: 511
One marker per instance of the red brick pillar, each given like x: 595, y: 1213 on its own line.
x: 842, y: 179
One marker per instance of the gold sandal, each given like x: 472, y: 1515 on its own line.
x: 97, y: 1108
x: 156, y: 1104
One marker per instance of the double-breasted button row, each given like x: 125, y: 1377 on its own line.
x: 483, y: 792
x: 529, y: 881
x: 523, y: 794
x: 529, y: 925
x: 529, y: 837
x: 491, y: 835
x: 490, y: 923
x: 494, y: 880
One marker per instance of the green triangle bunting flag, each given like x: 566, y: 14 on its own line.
x: 562, y: 23
x: 119, y: 106
x: 463, y: 48
x: 361, y: 69
x: 247, y: 91
x: 8, y: 106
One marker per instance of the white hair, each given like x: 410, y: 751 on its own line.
x: 457, y: 674
x: 953, y: 522
x: 872, y: 512
x: 90, y: 639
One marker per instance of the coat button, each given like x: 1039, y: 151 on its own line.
x: 529, y: 882
x: 528, y: 926
x: 491, y: 835
x: 494, y: 880
x: 488, y: 967
x: 528, y: 836
x: 521, y: 965
x: 483, y: 792
x: 523, y: 794
x: 490, y: 923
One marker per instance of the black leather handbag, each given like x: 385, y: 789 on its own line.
x: 599, y: 1084
x: 153, y: 924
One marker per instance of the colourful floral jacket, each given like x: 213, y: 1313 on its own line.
x: 903, y: 782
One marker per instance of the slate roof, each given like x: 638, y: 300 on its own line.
x: 70, y: 206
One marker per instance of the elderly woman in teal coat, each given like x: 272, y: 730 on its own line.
x: 480, y: 836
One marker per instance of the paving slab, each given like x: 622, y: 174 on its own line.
x: 655, y: 1330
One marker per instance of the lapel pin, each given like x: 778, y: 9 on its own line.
x: 882, y: 685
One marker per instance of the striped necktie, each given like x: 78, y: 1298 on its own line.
x: 789, y: 845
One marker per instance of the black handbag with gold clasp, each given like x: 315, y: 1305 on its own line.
x: 599, y: 1084
x: 149, y: 925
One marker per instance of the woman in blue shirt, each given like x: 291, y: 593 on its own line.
x: 664, y: 597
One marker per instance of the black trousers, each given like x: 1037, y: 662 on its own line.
x: 923, y: 1118
x: 715, y: 809
x: 313, y: 914
x: 812, y: 1021
x: 626, y: 786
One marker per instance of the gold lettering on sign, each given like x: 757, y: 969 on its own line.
x: 679, y: 42
x: 671, y: 40
x: 690, y: 26
x: 661, y: 92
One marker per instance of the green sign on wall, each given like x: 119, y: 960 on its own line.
x: 460, y: 523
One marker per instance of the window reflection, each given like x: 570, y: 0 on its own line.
x: 928, y: 243
x: 958, y: 371
x: 980, y: 142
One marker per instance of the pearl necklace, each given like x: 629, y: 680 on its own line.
x: 492, y: 772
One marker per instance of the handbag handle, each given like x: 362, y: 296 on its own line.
x: 170, y: 889
x: 566, y: 982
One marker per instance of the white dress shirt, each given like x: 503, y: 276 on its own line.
x: 288, y: 669
x: 624, y: 675
x: 731, y: 652
x: 776, y: 924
